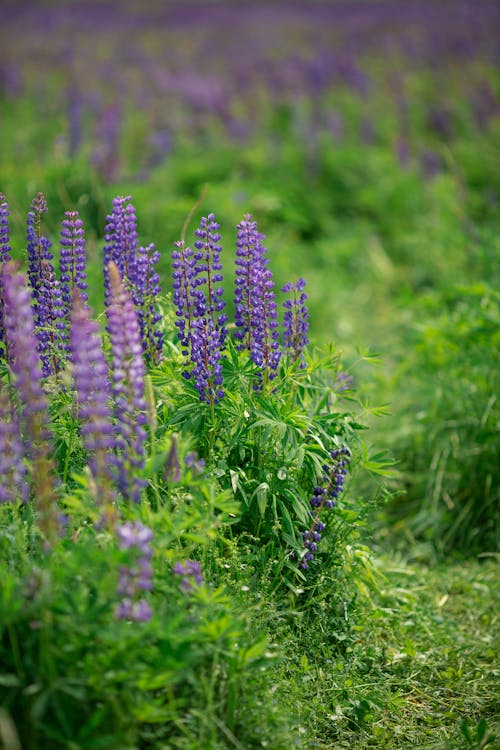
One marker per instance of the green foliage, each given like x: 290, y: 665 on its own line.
x: 448, y: 389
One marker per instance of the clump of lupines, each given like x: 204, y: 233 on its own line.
x: 199, y: 308
x: 295, y: 320
x: 190, y: 573
x: 254, y: 300
x: 136, y: 266
x: 27, y: 375
x: 91, y: 376
x: 324, y: 496
x: 127, y: 386
x: 135, y: 578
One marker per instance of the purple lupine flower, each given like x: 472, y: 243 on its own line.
x: 127, y: 385
x: 199, y: 308
x: 254, y: 299
x: 50, y: 327
x: 145, y: 288
x: 13, y: 484
x: 27, y: 375
x: 324, y: 496
x: 4, y: 254
x: 120, y: 236
x: 296, y: 320
x: 91, y: 376
x: 135, y: 578
x: 72, y: 264
x: 190, y: 572
x: 38, y: 246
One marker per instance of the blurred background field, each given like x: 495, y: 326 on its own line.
x: 364, y: 137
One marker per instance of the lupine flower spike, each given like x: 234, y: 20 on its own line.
x: 90, y: 373
x: 120, y: 236
x: 72, y: 264
x: 4, y: 255
x: 13, y: 486
x: 127, y: 385
x: 324, y: 496
x: 296, y: 320
x: 136, y: 578
x: 27, y: 375
x: 254, y: 299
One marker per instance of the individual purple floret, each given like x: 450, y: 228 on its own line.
x: 127, y: 386
x: 91, y: 376
x: 190, y: 572
x: 324, y: 496
x: 72, y: 263
x: 254, y: 299
x: 199, y: 308
x: 13, y: 486
x: 136, y: 577
x: 145, y: 288
x: 296, y: 320
x: 120, y: 236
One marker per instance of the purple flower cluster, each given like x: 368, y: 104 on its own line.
x: 254, y: 300
x: 13, y: 485
x: 190, y: 572
x: 90, y: 372
x: 127, y: 386
x: 72, y: 261
x: 137, y: 577
x: 47, y: 295
x: 4, y: 252
x: 324, y: 496
x: 295, y: 320
x: 199, y: 308
x: 136, y: 266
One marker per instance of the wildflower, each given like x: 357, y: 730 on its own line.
x: 27, y: 375
x: 199, y: 308
x: 90, y: 372
x: 4, y: 254
x: 136, y: 577
x: 13, y: 484
x: 254, y: 299
x: 127, y: 386
x: 296, y: 320
x: 72, y: 264
x: 190, y: 572
x: 120, y: 236
x: 324, y: 496
x: 145, y: 288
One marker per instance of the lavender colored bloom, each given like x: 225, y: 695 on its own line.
x: 136, y: 577
x: 199, y: 308
x: 120, y: 236
x: 254, y: 299
x: 13, y: 484
x: 190, y: 572
x: 145, y: 288
x: 4, y: 253
x: 90, y: 372
x: 38, y: 246
x: 72, y: 267
x: 50, y: 326
x: 324, y: 496
x: 127, y: 386
x: 296, y: 320
x: 27, y: 375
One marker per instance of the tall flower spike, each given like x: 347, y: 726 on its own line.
x: 127, y: 386
x: 27, y: 374
x: 90, y: 372
x: 254, y: 300
x: 38, y: 246
x: 4, y: 255
x: 135, y: 578
x: 296, y: 320
x: 145, y: 288
x: 72, y: 262
x: 120, y: 236
x: 13, y: 484
x: 199, y: 305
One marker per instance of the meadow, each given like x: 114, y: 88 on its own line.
x: 249, y: 390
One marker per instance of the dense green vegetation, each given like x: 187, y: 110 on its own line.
x: 367, y: 152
